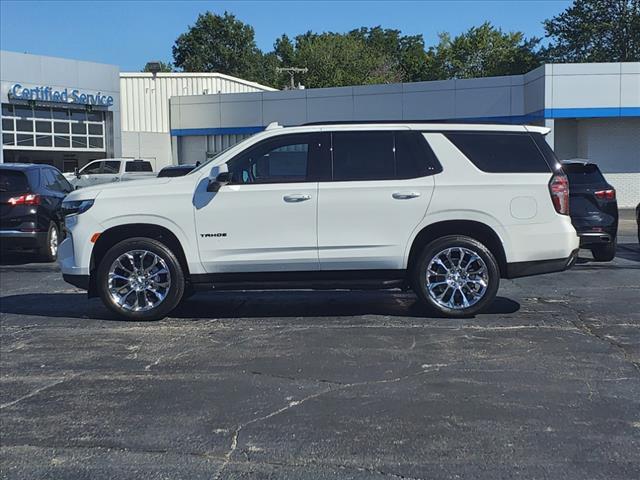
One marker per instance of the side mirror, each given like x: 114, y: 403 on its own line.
x: 76, y: 172
x: 222, y: 179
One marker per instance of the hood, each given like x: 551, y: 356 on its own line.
x: 88, y: 193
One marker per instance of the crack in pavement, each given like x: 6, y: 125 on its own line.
x: 38, y: 390
x: 236, y: 434
x: 584, y: 327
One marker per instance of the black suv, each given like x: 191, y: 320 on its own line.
x: 30, y: 202
x: 593, y: 209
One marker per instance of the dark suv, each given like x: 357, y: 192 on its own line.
x: 593, y: 209
x: 30, y: 202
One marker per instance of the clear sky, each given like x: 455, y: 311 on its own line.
x: 130, y: 33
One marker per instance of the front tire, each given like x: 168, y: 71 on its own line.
x: 140, y: 279
x: 456, y: 276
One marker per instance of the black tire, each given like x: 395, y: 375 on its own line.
x: 604, y: 253
x: 419, y: 275
x: 48, y: 252
x: 174, y: 292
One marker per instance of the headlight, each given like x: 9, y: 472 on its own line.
x: 76, y: 207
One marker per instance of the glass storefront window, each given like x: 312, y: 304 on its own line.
x: 60, y: 114
x: 43, y: 127
x: 24, y: 125
x: 79, y: 128
x: 8, y: 139
x: 79, y: 115
x: 44, y: 141
x: 7, y: 110
x: 24, y: 140
x: 23, y: 112
x: 95, y: 129
x: 7, y: 124
x: 40, y: 112
x: 79, y: 142
x: 95, y: 142
x: 60, y: 127
x: 95, y: 116
x: 62, y: 142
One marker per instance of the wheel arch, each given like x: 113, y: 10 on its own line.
x: 470, y: 228
x: 116, y: 234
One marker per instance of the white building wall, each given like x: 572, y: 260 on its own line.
x: 145, y: 107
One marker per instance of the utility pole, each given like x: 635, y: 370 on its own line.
x: 292, y: 71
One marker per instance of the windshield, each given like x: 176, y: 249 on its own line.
x: 202, y: 165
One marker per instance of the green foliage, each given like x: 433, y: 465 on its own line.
x: 165, y: 67
x: 219, y: 43
x: 589, y: 30
x: 482, y: 51
x: 595, y: 31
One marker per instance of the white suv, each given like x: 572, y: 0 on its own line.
x: 445, y: 209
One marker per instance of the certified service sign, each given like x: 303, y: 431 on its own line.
x: 48, y: 94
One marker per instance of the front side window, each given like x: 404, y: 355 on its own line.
x: 92, y: 168
x: 500, y: 152
x: 285, y: 159
x: 111, y: 166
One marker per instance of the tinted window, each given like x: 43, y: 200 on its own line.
x: 546, y: 150
x: 500, y: 152
x: 54, y: 180
x: 363, y: 156
x: 581, y: 174
x: 414, y: 157
x: 138, y: 166
x: 93, y: 168
x: 12, y: 182
x: 111, y: 167
x: 283, y: 159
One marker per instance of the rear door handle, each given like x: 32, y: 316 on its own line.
x: 405, y: 195
x: 296, y: 198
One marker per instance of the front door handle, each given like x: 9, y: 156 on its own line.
x: 405, y: 195
x: 295, y: 198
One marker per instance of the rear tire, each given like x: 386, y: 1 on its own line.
x: 456, y: 276
x: 604, y: 253
x: 49, y: 251
x: 140, y: 279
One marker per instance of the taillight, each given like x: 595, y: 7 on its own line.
x: 605, y: 194
x: 26, y: 199
x: 559, y: 190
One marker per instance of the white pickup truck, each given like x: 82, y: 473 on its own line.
x: 108, y: 170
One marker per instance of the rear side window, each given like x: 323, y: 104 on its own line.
x: 581, y: 174
x: 363, y: 156
x: 138, y: 167
x: 500, y: 152
x: 382, y: 155
x: 13, y: 182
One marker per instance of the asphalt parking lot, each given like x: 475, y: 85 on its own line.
x: 325, y: 384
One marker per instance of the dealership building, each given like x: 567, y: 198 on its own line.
x: 67, y: 112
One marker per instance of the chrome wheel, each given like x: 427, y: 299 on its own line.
x: 457, y: 278
x: 53, y: 242
x: 139, y: 280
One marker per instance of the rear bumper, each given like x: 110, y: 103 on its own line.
x: 17, y: 240
x: 595, y: 238
x: 538, y: 267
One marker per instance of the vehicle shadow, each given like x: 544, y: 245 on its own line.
x: 626, y: 251
x: 229, y: 305
x: 17, y: 258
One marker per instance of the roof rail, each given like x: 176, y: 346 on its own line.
x: 352, y: 122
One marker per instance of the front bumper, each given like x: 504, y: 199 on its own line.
x: 539, y: 267
x: 17, y: 240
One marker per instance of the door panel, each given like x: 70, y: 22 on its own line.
x: 366, y: 225
x: 265, y: 219
x: 246, y: 228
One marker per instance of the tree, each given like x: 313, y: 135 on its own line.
x: 219, y: 43
x: 164, y: 67
x: 482, y: 51
x: 595, y: 31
